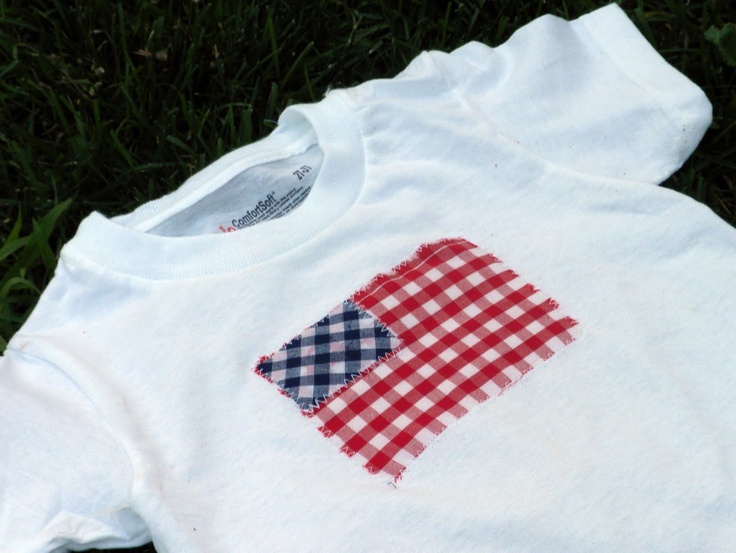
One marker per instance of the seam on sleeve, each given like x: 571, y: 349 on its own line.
x: 13, y: 350
x: 667, y: 109
x: 469, y: 105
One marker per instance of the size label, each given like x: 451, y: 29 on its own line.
x: 302, y: 172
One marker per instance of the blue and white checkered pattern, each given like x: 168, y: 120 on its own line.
x: 328, y: 354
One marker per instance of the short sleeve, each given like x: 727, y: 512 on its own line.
x: 589, y: 95
x: 64, y: 480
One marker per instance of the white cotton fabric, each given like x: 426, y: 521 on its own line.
x: 129, y: 406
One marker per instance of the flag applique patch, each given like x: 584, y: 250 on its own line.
x: 391, y: 367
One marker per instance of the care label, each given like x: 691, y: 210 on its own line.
x: 257, y: 194
x: 271, y: 207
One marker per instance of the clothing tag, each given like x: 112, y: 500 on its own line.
x: 271, y: 207
x: 256, y: 195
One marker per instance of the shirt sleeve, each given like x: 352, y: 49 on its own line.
x: 590, y: 95
x: 64, y: 480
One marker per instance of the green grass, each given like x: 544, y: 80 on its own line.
x: 105, y: 105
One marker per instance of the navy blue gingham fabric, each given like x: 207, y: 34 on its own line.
x: 329, y: 354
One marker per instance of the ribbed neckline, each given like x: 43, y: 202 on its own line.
x: 122, y: 244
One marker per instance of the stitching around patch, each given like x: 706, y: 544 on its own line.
x: 465, y: 327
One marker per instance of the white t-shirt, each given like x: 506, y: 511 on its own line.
x: 447, y: 311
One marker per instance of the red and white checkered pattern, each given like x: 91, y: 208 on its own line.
x: 470, y: 327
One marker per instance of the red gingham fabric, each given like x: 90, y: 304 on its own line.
x: 469, y: 327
